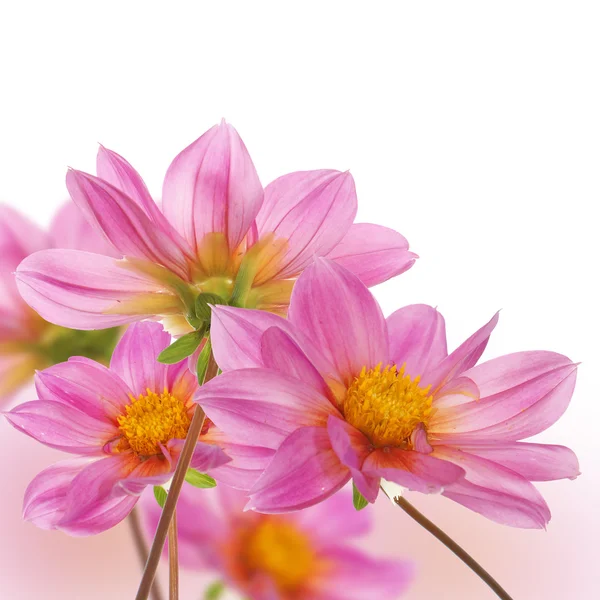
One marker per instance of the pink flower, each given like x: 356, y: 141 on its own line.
x: 126, y: 424
x: 217, y: 232
x: 27, y: 342
x: 300, y: 556
x: 340, y: 392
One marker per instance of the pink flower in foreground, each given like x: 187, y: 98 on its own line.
x: 340, y: 392
x: 127, y: 424
x: 217, y: 232
x: 27, y: 342
x: 300, y: 556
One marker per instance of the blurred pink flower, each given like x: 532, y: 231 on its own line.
x: 218, y: 232
x: 127, y: 424
x: 301, y: 556
x: 27, y: 342
x: 340, y: 393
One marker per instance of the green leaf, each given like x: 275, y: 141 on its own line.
x: 199, y: 480
x: 181, y: 348
x: 202, y: 364
x: 161, y: 495
x: 358, y: 499
x: 214, y: 591
x: 203, y: 310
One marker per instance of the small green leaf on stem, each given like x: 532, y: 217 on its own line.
x: 199, y: 480
x: 202, y: 364
x: 161, y: 495
x: 358, y: 499
x: 214, y: 591
x: 181, y: 348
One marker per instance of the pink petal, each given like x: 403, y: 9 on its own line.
x: 373, y: 253
x: 205, y: 458
x: 457, y: 391
x: 412, y: 470
x: 124, y: 223
x: 88, y: 291
x: 499, y: 493
x: 352, y: 448
x: 462, y: 359
x: 517, y: 412
x: 19, y: 237
x: 535, y: 462
x: 182, y: 382
x: 262, y: 407
x: 70, y: 229
x: 86, y: 386
x: 304, y: 471
x: 281, y: 353
x: 134, y: 358
x: 340, y: 316
x: 311, y: 211
x: 212, y: 187
x: 417, y: 338
x: 62, y: 427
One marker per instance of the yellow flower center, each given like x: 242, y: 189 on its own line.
x: 387, y: 405
x: 279, y: 549
x: 153, y: 419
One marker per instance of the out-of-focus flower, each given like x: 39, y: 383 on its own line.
x: 27, y: 342
x: 127, y: 424
x: 300, y: 556
x: 218, y: 232
x: 342, y: 393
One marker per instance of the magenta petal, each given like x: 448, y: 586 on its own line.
x: 71, y: 230
x: 304, y: 471
x: 62, y: 427
x: 341, y: 317
x: 535, y: 462
x: 205, y: 457
x: 124, y: 222
x: 212, y: 187
x: 463, y: 358
x: 262, y: 407
x: 82, y: 290
x: 373, y: 253
x: 85, y: 385
x: 417, y: 338
x: 412, y: 470
x: 134, y: 358
x: 312, y: 211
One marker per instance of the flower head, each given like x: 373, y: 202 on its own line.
x: 218, y: 232
x: 126, y: 424
x: 27, y: 342
x: 339, y: 392
x: 300, y: 556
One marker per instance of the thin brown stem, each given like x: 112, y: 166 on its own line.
x: 178, y: 478
x: 140, y: 545
x: 422, y: 520
x: 173, y: 560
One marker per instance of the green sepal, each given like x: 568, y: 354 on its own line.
x: 161, y: 495
x: 202, y: 364
x: 214, y: 591
x: 185, y: 346
x: 203, y: 310
x: 358, y: 499
x: 199, y: 480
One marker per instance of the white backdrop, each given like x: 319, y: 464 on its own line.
x: 471, y: 127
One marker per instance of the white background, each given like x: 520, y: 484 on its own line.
x: 471, y: 127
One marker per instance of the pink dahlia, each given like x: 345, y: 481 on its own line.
x: 301, y: 556
x: 127, y: 425
x: 340, y: 392
x: 27, y: 342
x: 218, y: 232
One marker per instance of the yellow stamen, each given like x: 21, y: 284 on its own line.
x: 276, y: 547
x: 152, y: 419
x: 387, y: 405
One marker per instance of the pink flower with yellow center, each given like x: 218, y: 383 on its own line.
x: 27, y: 342
x: 308, y: 555
x: 340, y: 392
x: 126, y: 424
x: 218, y: 231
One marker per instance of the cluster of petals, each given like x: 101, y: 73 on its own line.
x: 23, y: 333
x: 215, y: 221
x: 308, y: 555
x: 85, y: 408
x: 291, y: 385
